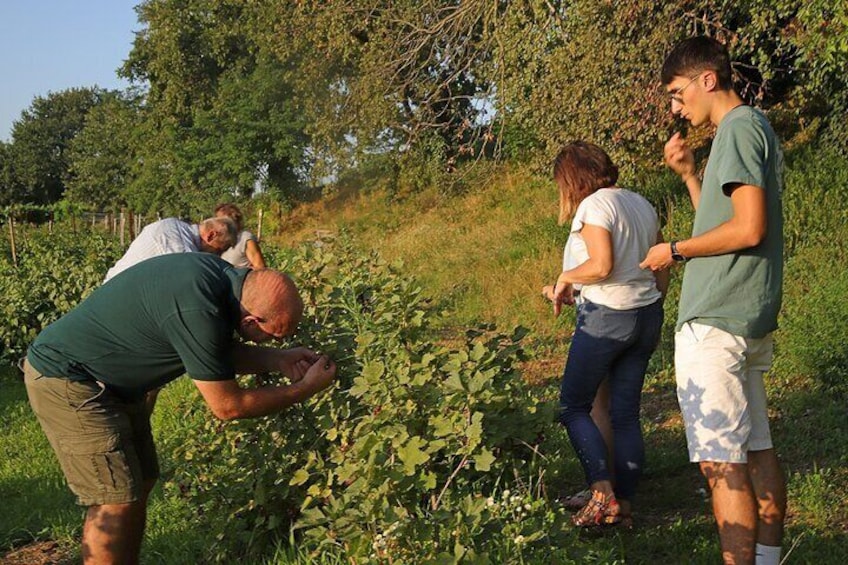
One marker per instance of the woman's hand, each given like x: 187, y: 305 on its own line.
x: 563, y: 294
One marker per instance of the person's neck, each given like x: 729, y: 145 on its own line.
x: 724, y: 102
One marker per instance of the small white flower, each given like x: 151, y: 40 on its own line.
x: 519, y: 540
x: 490, y: 501
x: 506, y: 494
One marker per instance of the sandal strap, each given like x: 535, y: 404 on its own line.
x: 598, y: 512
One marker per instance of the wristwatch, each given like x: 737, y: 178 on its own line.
x: 675, y: 254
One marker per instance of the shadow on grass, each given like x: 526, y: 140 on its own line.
x: 35, y: 503
x: 35, y: 507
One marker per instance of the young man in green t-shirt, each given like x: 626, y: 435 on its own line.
x: 730, y: 299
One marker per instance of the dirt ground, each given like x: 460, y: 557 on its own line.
x: 39, y: 553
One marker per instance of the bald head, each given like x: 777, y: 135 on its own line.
x: 270, y: 303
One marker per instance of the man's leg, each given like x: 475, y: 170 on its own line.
x: 715, y: 374
x: 113, y: 532
x: 735, y: 509
x: 770, y: 489
x: 763, y: 466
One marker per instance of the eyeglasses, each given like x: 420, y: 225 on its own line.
x: 677, y: 95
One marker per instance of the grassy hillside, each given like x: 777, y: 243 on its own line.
x: 484, y: 255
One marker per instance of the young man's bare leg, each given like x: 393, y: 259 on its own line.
x: 769, y: 486
x: 735, y: 510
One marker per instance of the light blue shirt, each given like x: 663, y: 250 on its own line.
x: 170, y: 235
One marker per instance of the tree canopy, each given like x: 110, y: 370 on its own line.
x: 231, y: 97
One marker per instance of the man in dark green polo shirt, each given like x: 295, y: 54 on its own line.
x: 88, y: 372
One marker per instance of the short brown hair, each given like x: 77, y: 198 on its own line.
x: 231, y: 211
x: 580, y: 169
x: 695, y: 55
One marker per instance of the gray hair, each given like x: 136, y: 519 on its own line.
x: 224, y: 227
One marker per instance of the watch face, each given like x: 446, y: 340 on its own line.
x: 675, y: 254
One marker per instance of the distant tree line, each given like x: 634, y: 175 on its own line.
x: 232, y: 96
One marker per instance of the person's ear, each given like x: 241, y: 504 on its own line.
x: 249, y: 320
x: 710, y: 81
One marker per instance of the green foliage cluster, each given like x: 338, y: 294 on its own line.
x: 36, y: 165
x: 54, y: 272
x: 231, y: 96
x: 410, y: 457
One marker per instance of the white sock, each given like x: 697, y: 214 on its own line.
x: 767, y: 555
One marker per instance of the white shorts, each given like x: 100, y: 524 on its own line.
x: 721, y: 392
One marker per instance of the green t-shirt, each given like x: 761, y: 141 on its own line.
x: 161, y: 318
x: 738, y: 292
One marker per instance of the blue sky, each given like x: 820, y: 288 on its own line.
x: 51, y: 45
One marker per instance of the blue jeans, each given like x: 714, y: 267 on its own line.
x: 615, y: 345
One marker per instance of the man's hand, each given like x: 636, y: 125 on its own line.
x: 320, y: 374
x: 658, y: 257
x: 295, y: 363
x: 679, y: 157
x: 228, y: 401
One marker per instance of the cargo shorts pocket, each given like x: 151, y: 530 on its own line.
x: 97, y: 469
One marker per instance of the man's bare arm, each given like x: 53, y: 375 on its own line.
x: 228, y: 401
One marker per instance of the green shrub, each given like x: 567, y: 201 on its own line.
x: 407, y: 456
x: 811, y: 339
x: 53, y: 273
x: 816, y: 189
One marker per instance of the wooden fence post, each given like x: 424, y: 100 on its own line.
x: 123, y: 224
x: 259, y: 229
x: 12, y: 240
x: 131, y: 224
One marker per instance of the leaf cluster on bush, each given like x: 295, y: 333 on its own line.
x: 54, y: 272
x: 405, y: 456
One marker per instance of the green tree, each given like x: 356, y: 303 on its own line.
x: 10, y: 187
x: 223, y: 104
x: 387, y: 76
x: 40, y: 140
x: 241, y: 92
x: 103, y: 156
